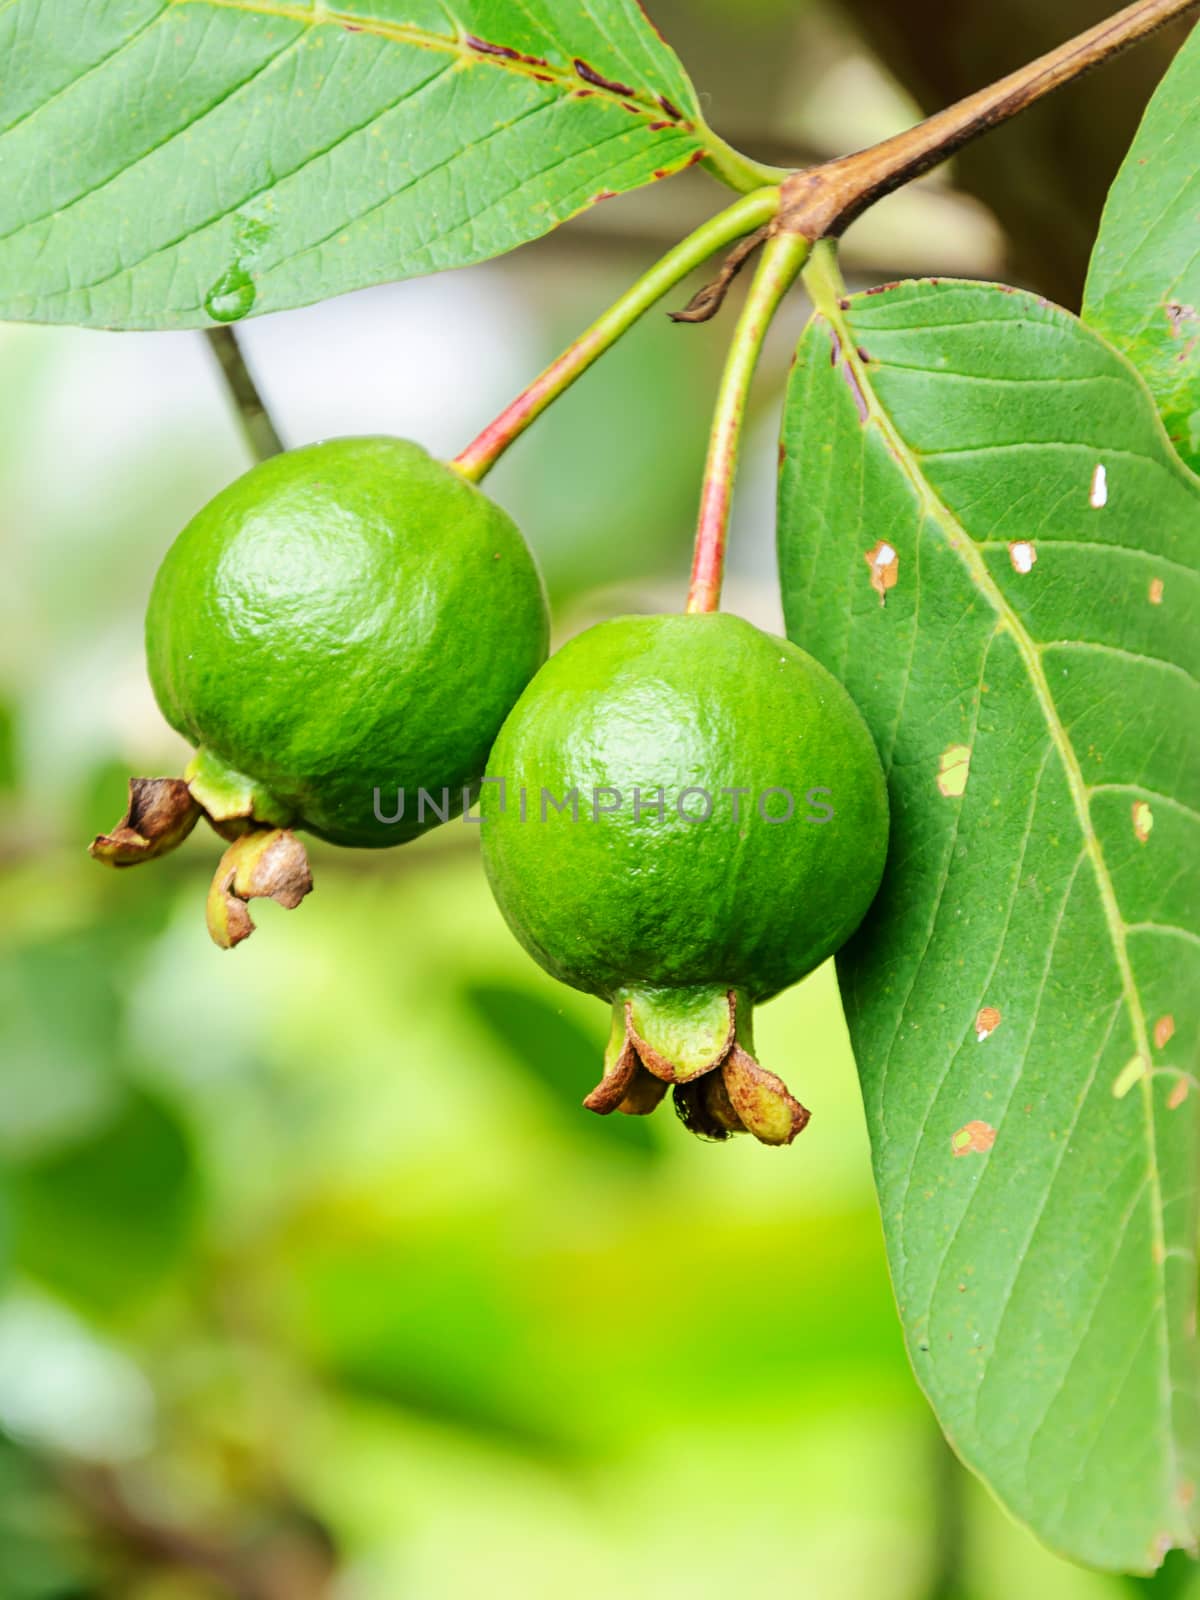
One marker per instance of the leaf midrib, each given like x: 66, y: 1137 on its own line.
x: 317, y: 15
x: 828, y: 295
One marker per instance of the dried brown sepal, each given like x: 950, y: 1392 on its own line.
x: 719, y: 1108
x: 231, y: 828
x: 762, y: 1101
x: 719, y: 1088
x: 626, y: 1086
x: 707, y: 301
x: 645, y: 1094
x: 160, y: 815
x: 268, y: 863
x: 705, y: 1110
x: 616, y: 1082
x: 229, y: 922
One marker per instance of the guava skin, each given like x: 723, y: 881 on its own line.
x: 345, y: 617
x: 684, y: 925
x: 613, y: 905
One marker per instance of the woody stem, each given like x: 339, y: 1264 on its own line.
x: 823, y: 201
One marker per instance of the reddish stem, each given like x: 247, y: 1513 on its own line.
x: 743, y: 217
x: 484, y: 451
x: 782, y: 259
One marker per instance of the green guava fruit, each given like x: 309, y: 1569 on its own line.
x: 684, y: 815
x: 343, y: 627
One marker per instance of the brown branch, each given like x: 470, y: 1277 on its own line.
x: 1074, y: 142
x: 297, y: 1563
x: 822, y: 201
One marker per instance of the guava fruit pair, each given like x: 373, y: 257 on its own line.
x: 681, y: 814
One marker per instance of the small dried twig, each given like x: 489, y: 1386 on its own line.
x: 706, y: 302
x: 296, y: 1563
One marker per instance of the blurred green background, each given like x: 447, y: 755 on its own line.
x: 315, y: 1281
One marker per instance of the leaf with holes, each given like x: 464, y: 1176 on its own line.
x: 985, y: 534
x: 174, y: 162
x: 1143, y: 288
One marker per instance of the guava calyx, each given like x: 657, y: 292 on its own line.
x: 266, y: 863
x: 264, y: 858
x: 160, y: 814
x: 697, y: 1042
x: 231, y: 801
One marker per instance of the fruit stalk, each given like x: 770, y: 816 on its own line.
x: 257, y: 422
x: 751, y: 212
x: 783, y: 257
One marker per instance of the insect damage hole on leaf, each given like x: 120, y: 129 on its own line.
x: 883, y: 565
x: 1164, y: 1031
x: 954, y: 768
x: 975, y: 1138
x: 1023, y: 555
x: 1179, y: 1093
x: 987, y: 1021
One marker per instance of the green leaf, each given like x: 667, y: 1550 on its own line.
x: 58, y: 1062
x: 8, y: 749
x: 559, y: 1056
x: 46, y: 1554
x: 985, y: 534
x: 104, y: 1219
x: 1143, y: 287
x: 174, y: 162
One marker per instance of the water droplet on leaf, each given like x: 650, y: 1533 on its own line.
x: 231, y: 297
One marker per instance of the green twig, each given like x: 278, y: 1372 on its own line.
x: 739, y: 171
x: 947, y: 1565
x: 257, y: 424
x: 747, y: 214
x: 782, y: 259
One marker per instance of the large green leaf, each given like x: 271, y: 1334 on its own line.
x: 1143, y: 288
x: 171, y: 162
x: 985, y: 534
